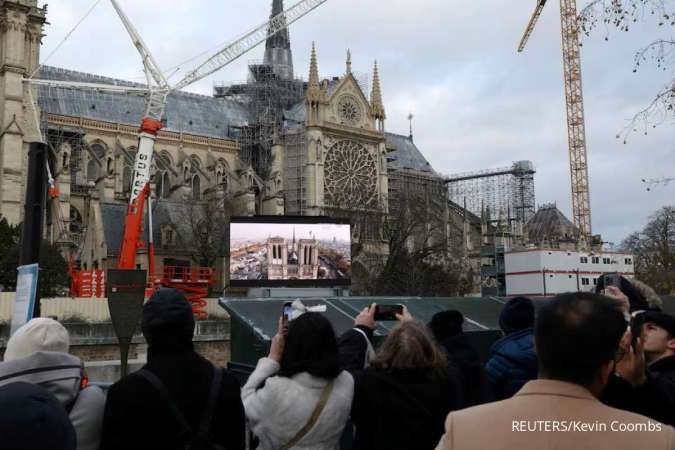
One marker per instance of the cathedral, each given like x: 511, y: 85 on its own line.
x: 278, y: 145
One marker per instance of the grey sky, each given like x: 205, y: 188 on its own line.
x: 302, y: 231
x: 453, y: 64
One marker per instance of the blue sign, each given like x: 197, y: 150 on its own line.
x: 24, y: 303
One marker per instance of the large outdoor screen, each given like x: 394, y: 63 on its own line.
x: 289, y: 251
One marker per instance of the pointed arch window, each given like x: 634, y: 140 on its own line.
x: 196, y: 188
x: 126, y: 180
x: 159, y: 184
x: 166, y: 185
x: 92, y: 170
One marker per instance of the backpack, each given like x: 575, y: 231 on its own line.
x: 202, y: 439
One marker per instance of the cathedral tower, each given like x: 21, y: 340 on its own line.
x: 278, y: 48
x: 21, y: 25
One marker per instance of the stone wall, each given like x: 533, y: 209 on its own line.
x: 96, y: 345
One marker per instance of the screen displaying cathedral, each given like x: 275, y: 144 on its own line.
x: 289, y: 251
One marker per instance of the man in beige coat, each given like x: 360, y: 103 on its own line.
x: 577, y: 340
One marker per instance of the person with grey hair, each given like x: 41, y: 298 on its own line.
x: 38, y: 354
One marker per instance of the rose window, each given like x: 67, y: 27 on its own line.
x: 350, y: 176
x: 349, y: 110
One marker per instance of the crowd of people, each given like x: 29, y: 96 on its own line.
x: 582, y: 370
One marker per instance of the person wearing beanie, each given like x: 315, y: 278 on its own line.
x: 649, y: 390
x: 463, y: 358
x: 513, y: 361
x: 138, y: 416
x: 31, y: 418
x: 37, y: 353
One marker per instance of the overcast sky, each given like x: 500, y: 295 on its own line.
x: 477, y: 102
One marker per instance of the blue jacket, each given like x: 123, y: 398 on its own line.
x: 512, y: 363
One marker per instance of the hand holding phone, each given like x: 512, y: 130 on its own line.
x: 387, y: 312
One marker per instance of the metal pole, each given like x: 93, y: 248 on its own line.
x: 36, y: 190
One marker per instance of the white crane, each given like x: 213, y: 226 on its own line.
x: 156, y: 94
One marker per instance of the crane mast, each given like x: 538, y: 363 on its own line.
x: 576, y: 125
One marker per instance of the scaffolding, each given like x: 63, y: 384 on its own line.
x: 492, y: 192
x: 267, y: 96
x: 295, y: 160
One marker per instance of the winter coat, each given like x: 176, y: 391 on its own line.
x: 278, y: 407
x: 654, y: 399
x: 513, y: 363
x: 464, y: 360
x: 31, y: 418
x: 61, y: 374
x: 137, y: 417
x: 402, y: 409
x: 395, y: 409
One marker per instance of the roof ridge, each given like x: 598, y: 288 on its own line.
x: 121, y: 82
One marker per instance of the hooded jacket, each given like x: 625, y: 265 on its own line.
x: 138, y: 417
x: 61, y: 374
x: 513, y: 363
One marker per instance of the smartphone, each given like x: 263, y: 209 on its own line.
x: 387, y: 312
x: 613, y: 279
x: 286, y: 314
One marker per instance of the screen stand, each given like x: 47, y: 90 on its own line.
x: 267, y: 292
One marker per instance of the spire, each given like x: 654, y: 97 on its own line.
x: 376, y: 95
x: 313, y: 69
x: 278, y: 47
x: 410, y: 119
x: 349, y: 61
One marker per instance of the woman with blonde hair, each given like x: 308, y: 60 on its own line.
x: 400, y: 401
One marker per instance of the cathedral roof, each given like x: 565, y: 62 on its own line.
x: 185, y: 112
x: 549, y: 224
x: 406, y: 154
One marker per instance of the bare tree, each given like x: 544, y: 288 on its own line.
x: 208, y: 229
x: 622, y: 14
x: 654, y: 251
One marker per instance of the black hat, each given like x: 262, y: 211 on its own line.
x: 167, y: 318
x: 516, y: 315
x: 31, y: 418
x: 665, y: 321
x: 446, y: 324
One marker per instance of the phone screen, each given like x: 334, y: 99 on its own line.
x: 287, y: 312
x: 388, y: 312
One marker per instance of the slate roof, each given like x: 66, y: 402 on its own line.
x: 406, y: 155
x: 185, y: 112
x: 551, y: 224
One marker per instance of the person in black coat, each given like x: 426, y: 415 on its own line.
x: 402, y: 399
x: 648, y: 391
x: 137, y: 416
x: 31, y: 418
x: 446, y: 327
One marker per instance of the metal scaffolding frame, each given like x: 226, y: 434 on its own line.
x: 295, y: 160
x: 267, y: 95
x: 508, y: 190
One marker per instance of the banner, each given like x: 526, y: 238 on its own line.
x: 24, y: 302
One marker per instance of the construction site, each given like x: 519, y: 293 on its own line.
x: 276, y: 144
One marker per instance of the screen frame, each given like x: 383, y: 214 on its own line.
x: 309, y: 220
